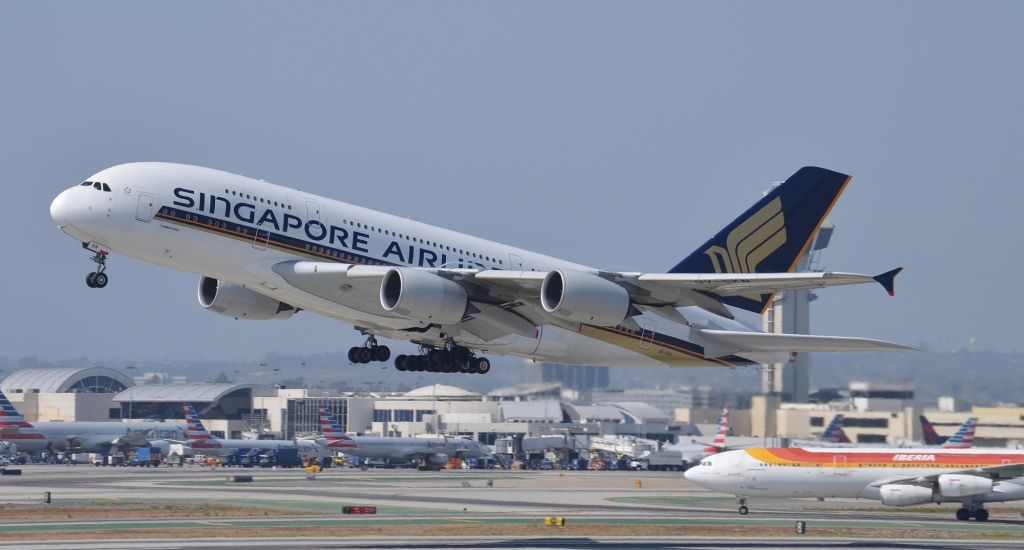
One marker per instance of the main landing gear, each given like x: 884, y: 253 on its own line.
x: 743, y: 506
x: 369, y: 352
x: 972, y: 510
x: 453, y: 359
x: 98, y: 278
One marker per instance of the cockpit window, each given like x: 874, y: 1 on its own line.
x: 86, y: 183
x: 96, y: 185
x: 106, y: 188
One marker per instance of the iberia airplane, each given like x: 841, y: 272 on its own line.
x: 896, y: 477
x: 264, y: 251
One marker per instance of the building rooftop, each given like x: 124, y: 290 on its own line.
x: 66, y: 380
x: 194, y: 393
x: 440, y: 391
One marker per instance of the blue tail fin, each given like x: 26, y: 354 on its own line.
x: 772, y: 235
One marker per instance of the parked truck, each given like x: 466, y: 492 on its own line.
x: 666, y: 461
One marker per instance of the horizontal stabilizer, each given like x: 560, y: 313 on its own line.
x: 718, y: 343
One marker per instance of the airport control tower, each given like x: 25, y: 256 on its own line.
x: 790, y: 313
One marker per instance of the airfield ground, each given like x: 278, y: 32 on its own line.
x: 196, y: 507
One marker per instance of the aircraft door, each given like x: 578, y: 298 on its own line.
x: 840, y: 466
x: 515, y: 262
x: 147, y: 203
x: 312, y: 210
x: 648, y: 329
x: 260, y: 238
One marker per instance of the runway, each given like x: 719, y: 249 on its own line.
x: 198, y: 507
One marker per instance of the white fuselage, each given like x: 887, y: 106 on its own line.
x: 93, y: 437
x: 860, y: 472
x: 224, y: 447
x: 405, y: 449
x: 233, y: 228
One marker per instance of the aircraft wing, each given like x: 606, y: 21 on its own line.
x: 1001, y: 471
x: 509, y: 302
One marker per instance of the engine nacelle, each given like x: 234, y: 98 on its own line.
x: 904, y: 495
x: 423, y: 296
x: 437, y: 459
x: 583, y: 298
x: 959, y: 485
x: 240, y: 302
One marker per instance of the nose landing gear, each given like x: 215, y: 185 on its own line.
x: 98, y: 278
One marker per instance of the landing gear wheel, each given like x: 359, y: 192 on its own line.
x: 744, y: 510
x: 963, y: 514
x: 352, y: 358
x: 465, y: 367
x: 400, y: 363
x: 481, y: 365
x: 364, y: 355
x: 380, y: 353
x: 90, y: 280
x: 981, y: 514
x: 100, y: 280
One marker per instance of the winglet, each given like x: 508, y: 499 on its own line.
x: 888, y: 280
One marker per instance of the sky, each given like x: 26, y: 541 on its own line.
x: 616, y: 134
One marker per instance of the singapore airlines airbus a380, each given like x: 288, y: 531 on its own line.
x: 264, y: 251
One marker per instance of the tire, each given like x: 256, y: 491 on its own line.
x: 465, y: 366
x: 400, y: 363
x: 364, y: 355
x: 963, y: 514
x: 381, y: 353
x: 981, y: 514
x: 90, y: 280
x: 482, y: 365
x: 744, y: 510
x: 420, y: 362
x: 100, y: 280
x: 352, y: 355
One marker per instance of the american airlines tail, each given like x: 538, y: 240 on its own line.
x: 196, y: 433
x: 964, y: 436
x: 834, y: 432
x: 332, y: 432
x: 13, y: 426
x: 718, y: 445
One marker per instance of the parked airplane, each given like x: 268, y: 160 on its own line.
x: 203, y: 442
x: 695, y: 452
x: 962, y: 439
x: 266, y: 252
x: 79, y: 437
x: 433, y: 452
x: 896, y: 477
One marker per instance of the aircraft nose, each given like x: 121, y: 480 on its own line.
x: 691, y: 474
x: 60, y: 208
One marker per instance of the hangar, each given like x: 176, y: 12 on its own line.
x: 80, y: 393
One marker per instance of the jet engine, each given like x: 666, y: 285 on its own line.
x: 423, y: 296
x: 583, y: 298
x: 437, y: 459
x: 904, y: 495
x: 240, y: 302
x: 959, y: 485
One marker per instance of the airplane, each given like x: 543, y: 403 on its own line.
x: 202, y: 441
x: 78, y: 436
x: 433, y: 452
x: 264, y: 251
x: 694, y: 452
x: 962, y: 439
x: 894, y: 476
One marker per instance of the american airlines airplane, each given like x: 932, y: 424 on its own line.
x: 264, y: 251
x: 434, y: 452
x: 203, y: 442
x: 694, y: 452
x: 84, y: 437
x: 896, y: 477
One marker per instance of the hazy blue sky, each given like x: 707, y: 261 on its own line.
x: 614, y: 134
